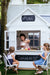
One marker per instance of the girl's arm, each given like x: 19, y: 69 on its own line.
x: 27, y: 41
x: 13, y: 57
x: 44, y: 57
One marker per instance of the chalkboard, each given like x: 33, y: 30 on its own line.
x: 28, y: 18
x: 27, y: 57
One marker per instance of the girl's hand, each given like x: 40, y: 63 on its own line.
x: 25, y: 41
x: 41, y: 46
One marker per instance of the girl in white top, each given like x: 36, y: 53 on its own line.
x: 11, y: 57
x: 24, y: 41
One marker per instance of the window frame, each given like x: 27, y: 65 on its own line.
x: 36, y: 39
x: 5, y: 40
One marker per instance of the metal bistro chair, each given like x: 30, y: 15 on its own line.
x: 7, y: 64
x: 47, y: 66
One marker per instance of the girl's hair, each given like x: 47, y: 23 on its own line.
x: 22, y: 35
x: 47, y: 46
x: 11, y: 49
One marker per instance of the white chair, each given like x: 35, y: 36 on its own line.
x: 47, y: 66
x: 7, y: 64
x: 48, y: 62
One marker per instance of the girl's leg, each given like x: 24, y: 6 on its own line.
x: 16, y: 62
x: 34, y: 65
x: 40, y: 69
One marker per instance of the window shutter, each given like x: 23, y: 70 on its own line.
x: 9, y: 39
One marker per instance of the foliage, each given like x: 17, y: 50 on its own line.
x: 35, y: 1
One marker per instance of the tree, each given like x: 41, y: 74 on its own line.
x: 4, y: 6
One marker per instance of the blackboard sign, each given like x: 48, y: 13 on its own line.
x: 28, y: 18
x: 27, y: 57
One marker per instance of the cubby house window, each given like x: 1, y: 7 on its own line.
x: 33, y: 36
x: 6, y: 40
x: 34, y: 40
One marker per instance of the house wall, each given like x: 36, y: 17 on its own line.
x: 38, y: 25
x: 43, y: 29
x: 44, y: 36
x: 46, y: 17
x: 27, y: 64
x: 27, y: 36
x: 17, y: 9
x: 17, y: 24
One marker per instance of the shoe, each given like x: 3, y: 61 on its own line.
x: 37, y: 69
x: 36, y: 73
x: 39, y: 72
x: 15, y: 69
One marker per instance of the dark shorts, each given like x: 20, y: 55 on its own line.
x: 11, y: 61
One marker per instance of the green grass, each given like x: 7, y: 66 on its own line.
x: 21, y: 72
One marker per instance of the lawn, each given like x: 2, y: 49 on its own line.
x: 21, y: 72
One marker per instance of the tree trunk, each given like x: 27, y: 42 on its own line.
x: 4, y: 21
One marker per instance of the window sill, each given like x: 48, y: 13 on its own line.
x: 29, y: 50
